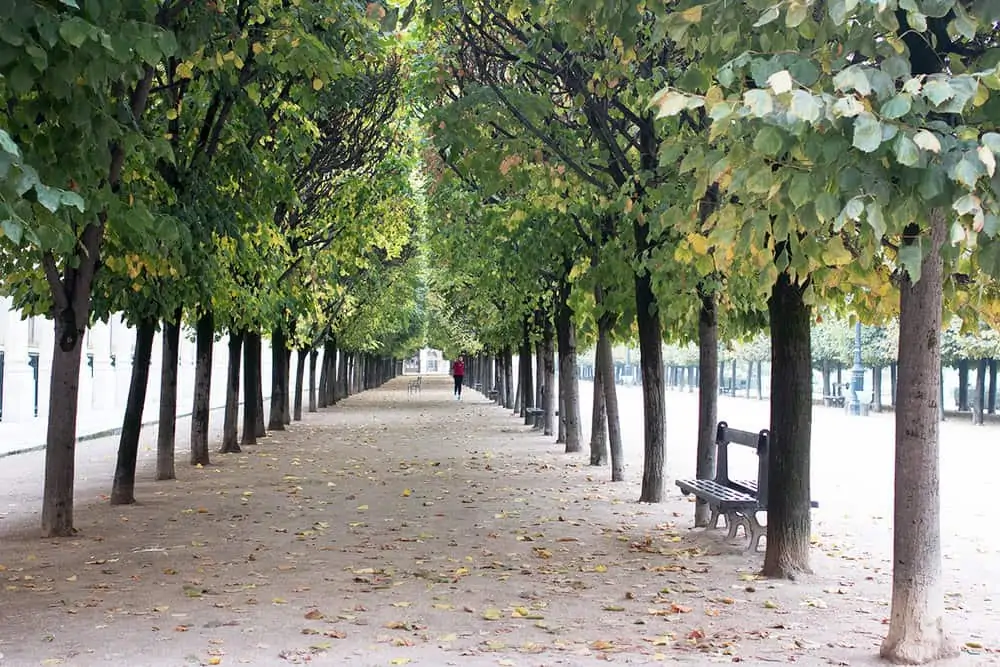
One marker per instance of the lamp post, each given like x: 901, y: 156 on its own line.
x: 858, y: 373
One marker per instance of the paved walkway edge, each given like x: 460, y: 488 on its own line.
x: 106, y: 433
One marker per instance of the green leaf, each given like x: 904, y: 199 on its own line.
x: 907, y: 153
x: 853, y: 78
x: 48, y: 197
x: 867, y: 133
x: 967, y: 172
x: 70, y: 3
x: 75, y: 31
x: 827, y: 206
x: 759, y: 101
x: 12, y: 230
x: 800, y: 190
x: 938, y: 91
x: 8, y: 146
x: 805, y: 106
x: 875, y: 219
x: 897, y: 107
x: 769, y: 15
x: 768, y: 141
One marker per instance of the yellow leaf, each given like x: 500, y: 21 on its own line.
x: 492, y: 614
x: 450, y: 637
x: 362, y: 508
x: 399, y: 661
x: 699, y: 243
x: 770, y: 604
x: 215, y: 660
x: 171, y: 114
x: 600, y: 568
x: 185, y: 70
x: 257, y: 48
x: 317, y: 84
x: 406, y: 493
x: 279, y: 601
x: 400, y: 604
x: 692, y: 14
x: 601, y: 645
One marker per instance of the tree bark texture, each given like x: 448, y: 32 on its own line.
x: 549, y: 392
x: 598, y: 422
x: 230, y: 424
x: 654, y: 417
x: 606, y: 361
x: 276, y: 419
x: 569, y: 376
x: 300, y: 375
x: 708, y: 398
x: 916, y: 626
x: 980, y: 392
x: 963, y: 385
x: 991, y: 392
x: 166, y: 431
x: 251, y: 378
x: 286, y: 376
x: 788, y: 512
x: 205, y: 343
x: 123, y: 486
x: 313, y: 358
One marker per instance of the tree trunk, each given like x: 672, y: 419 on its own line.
x: 524, y: 378
x: 324, y: 376
x: 230, y: 428
x: 788, y: 497
x: 300, y: 373
x: 166, y: 431
x: 260, y: 430
x: 826, y: 378
x: 963, y: 385
x: 604, y: 357
x: 251, y: 379
x: 540, y: 376
x: 313, y: 358
x: 980, y: 392
x: 991, y: 392
x: 343, y: 368
x: 123, y: 486
x: 877, y: 387
x: 916, y: 626
x: 549, y: 393
x: 760, y: 381
x: 708, y: 398
x: 276, y: 420
x: 650, y: 349
x: 508, y: 371
x: 205, y: 342
x: 60, y: 440
x: 840, y: 380
x: 598, y: 421
x: 286, y: 399
x: 569, y: 377
x: 749, y: 377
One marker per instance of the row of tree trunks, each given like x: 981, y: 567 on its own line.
x: 166, y: 440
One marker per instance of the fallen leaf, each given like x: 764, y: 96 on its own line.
x: 399, y: 661
x: 492, y: 614
x: 314, y: 615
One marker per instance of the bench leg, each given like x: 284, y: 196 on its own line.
x: 756, y: 531
x: 733, y: 521
x: 713, y: 520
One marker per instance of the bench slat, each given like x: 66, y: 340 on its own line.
x: 716, y: 494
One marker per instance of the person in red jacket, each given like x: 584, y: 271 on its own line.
x: 458, y: 372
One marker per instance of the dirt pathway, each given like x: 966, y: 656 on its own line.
x: 393, y: 530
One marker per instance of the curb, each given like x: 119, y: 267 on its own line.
x: 106, y: 433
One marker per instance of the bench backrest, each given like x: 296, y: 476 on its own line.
x: 759, y: 441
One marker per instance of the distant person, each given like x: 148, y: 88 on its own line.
x: 458, y: 372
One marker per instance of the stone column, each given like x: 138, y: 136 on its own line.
x: 18, y: 381
x: 103, y: 394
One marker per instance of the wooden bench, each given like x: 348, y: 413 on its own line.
x: 738, y: 501
x: 414, y: 386
x: 479, y: 387
x: 535, y: 417
x: 492, y: 394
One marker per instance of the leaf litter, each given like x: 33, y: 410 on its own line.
x: 478, y: 540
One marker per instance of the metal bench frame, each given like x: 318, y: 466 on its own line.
x: 414, y: 386
x: 736, y: 500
